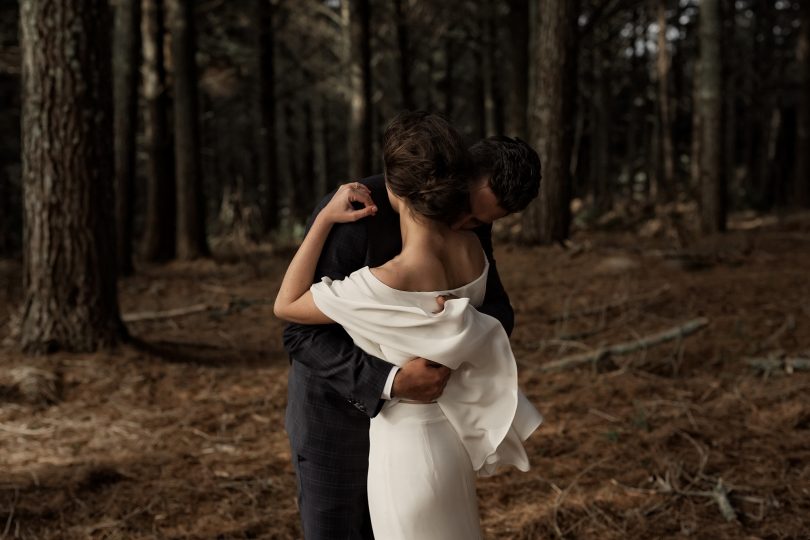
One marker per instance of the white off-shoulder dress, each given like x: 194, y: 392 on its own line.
x: 423, y: 458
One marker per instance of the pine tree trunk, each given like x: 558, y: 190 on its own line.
x: 125, y: 92
x: 667, y: 171
x: 802, y: 175
x: 285, y: 166
x: 712, y: 185
x: 551, y: 118
x: 69, y: 236
x: 517, y: 103
x: 268, y: 159
x: 318, y: 141
x: 493, y: 103
x: 361, y: 131
x: 449, y: 79
x: 159, y: 222
x: 191, y: 235
x: 479, y: 87
x: 4, y: 209
x: 404, y: 46
x: 697, y: 128
x: 730, y: 82
x: 600, y: 133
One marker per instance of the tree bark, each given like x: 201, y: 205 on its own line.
x: 712, y: 181
x: 268, y: 158
x: 125, y: 93
x: 554, y: 47
x: 69, y: 272
x: 519, y: 70
x: 191, y: 235
x: 802, y: 175
x: 361, y: 130
x: 159, y: 222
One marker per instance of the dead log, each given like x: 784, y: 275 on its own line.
x: 596, y: 355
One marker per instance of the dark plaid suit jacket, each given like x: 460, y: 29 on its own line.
x: 334, y: 387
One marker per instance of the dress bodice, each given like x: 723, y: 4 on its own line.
x: 424, y: 300
x: 481, y: 400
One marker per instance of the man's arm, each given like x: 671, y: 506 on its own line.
x: 329, y: 352
x: 496, y: 301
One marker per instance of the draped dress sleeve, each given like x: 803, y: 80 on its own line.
x: 481, y: 400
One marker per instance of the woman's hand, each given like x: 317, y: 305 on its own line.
x: 294, y: 302
x: 340, y: 208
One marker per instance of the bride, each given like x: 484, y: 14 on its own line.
x: 423, y: 457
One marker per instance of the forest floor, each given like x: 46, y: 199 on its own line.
x: 180, y: 435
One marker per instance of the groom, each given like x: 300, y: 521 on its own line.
x: 334, y: 387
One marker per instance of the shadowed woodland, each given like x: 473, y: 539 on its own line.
x: 158, y: 161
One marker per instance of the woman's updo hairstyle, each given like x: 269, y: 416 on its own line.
x: 427, y: 164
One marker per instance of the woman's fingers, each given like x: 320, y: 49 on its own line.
x: 341, y: 209
x: 361, y: 196
x: 363, y: 212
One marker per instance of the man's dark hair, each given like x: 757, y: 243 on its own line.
x: 427, y: 163
x: 513, y: 167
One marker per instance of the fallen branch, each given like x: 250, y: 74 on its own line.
x: 677, y: 332
x: 788, y: 365
x: 167, y: 314
x: 611, y: 305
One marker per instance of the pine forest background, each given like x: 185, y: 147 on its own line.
x: 158, y: 162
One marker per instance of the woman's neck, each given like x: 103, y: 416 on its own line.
x: 420, y: 235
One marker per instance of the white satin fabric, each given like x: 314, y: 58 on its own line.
x: 410, y: 457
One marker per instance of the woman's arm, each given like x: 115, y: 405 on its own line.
x: 294, y: 302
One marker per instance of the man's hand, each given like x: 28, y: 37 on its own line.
x: 420, y: 380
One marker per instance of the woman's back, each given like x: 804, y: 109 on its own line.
x: 445, y: 263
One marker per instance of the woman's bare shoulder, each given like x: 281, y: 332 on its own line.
x: 418, y: 274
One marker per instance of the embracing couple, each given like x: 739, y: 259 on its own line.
x: 398, y: 315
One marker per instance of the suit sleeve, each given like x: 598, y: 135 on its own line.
x: 327, y: 350
x: 496, y: 301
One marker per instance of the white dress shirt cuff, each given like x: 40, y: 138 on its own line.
x: 389, y: 383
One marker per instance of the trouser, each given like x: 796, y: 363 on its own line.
x: 332, y: 500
